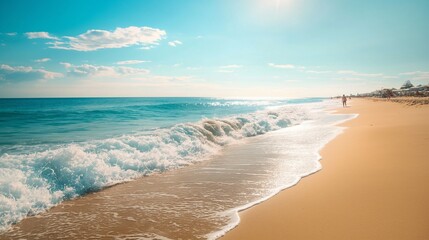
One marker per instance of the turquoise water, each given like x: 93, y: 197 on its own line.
x: 57, y: 149
x: 58, y: 120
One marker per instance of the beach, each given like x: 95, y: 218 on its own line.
x: 185, y: 181
x: 373, y: 184
x: 146, y: 121
x: 343, y: 173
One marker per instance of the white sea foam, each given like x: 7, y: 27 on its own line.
x: 316, y: 145
x: 32, y: 182
x: 151, y: 236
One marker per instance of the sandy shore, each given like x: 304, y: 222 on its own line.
x: 405, y: 100
x: 374, y: 183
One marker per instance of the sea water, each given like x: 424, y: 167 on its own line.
x: 57, y: 149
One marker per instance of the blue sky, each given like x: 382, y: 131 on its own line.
x: 215, y: 48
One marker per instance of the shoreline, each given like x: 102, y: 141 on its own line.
x: 91, y: 165
x: 323, y: 206
x: 247, y: 207
x: 274, y: 213
x: 116, y: 206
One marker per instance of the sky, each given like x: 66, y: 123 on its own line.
x: 211, y: 48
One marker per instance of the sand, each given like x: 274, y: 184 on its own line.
x: 405, y: 100
x: 374, y: 183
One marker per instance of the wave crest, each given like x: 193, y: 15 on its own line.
x: 33, y: 182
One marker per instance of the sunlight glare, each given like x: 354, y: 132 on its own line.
x: 273, y: 12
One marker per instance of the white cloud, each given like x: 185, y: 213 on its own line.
x: 354, y: 73
x: 349, y: 79
x: 95, y: 39
x: 231, y: 66
x: 147, y: 47
x: 318, y: 72
x: 66, y: 64
x: 128, y: 62
x: 412, y: 73
x: 175, y: 43
x: 225, y: 71
x: 416, y: 75
x: 44, y: 35
x: 11, y: 34
x: 130, y: 71
x: 166, y: 79
x: 390, y: 77
x: 22, y: 73
x: 284, y: 66
x: 87, y: 70
x: 42, y: 60
x: 192, y: 68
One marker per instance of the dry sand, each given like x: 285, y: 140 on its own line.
x: 406, y: 100
x: 374, y: 183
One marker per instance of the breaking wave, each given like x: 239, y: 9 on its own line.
x: 36, y: 179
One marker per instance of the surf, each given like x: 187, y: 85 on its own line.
x: 42, y: 176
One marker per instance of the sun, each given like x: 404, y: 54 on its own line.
x: 277, y: 5
x: 278, y: 2
x: 270, y: 7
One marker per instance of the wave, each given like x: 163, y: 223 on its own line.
x: 32, y: 182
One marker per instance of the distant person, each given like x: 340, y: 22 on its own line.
x: 344, y: 98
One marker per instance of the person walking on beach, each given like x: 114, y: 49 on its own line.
x: 344, y: 98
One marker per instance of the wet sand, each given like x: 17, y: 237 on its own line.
x: 374, y: 183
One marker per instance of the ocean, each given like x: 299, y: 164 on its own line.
x: 57, y: 149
